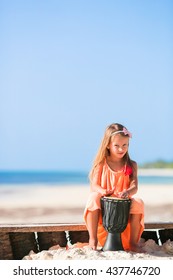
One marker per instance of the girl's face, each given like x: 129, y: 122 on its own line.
x: 118, y: 146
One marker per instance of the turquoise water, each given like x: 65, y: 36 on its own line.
x: 46, y: 177
x: 64, y: 177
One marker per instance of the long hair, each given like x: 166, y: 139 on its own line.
x: 103, y: 151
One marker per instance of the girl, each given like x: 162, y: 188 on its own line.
x: 114, y: 174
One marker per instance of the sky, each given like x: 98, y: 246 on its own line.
x: 70, y: 68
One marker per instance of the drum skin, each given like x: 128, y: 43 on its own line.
x: 115, y: 213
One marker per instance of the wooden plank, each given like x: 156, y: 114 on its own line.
x: 41, y: 227
x: 51, y: 227
x: 159, y: 225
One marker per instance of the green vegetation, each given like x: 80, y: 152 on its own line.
x: 157, y: 164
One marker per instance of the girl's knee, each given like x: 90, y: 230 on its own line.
x: 137, y: 206
x: 95, y: 196
x: 93, y: 201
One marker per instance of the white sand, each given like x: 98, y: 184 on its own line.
x: 152, y: 251
x: 72, y: 195
x: 66, y: 203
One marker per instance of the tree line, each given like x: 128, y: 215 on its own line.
x: 157, y: 164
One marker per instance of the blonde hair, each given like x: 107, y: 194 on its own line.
x: 103, y: 151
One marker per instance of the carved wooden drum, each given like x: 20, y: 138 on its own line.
x: 115, y: 215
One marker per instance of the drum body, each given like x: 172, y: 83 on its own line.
x: 115, y: 215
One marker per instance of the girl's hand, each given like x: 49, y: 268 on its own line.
x: 124, y: 194
x: 107, y: 192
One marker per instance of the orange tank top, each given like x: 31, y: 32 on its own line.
x: 110, y: 179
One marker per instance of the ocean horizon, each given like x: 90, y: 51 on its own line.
x: 74, y: 177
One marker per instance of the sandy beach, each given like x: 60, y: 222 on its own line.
x: 65, y: 204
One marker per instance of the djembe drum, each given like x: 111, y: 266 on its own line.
x: 115, y: 215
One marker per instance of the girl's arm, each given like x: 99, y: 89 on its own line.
x: 96, y: 184
x: 133, y: 188
x: 134, y: 180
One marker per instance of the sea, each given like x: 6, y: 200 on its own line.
x: 60, y: 178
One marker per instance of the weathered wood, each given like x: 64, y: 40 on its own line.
x: 41, y: 227
x: 6, y: 252
x: 159, y: 225
x: 150, y: 234
x: 166, y: 234
x: 79, y: 236
x: 67, y: 227
x: 49, y: 239
x: 22, y: 243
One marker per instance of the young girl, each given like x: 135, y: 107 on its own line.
x: 114, y: 174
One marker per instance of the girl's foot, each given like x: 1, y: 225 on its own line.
x: 93, y: 244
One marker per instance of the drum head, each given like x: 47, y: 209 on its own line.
x: 115, y: 198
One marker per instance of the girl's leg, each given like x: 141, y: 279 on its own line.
x: 134, y: 232
x: 92, y: 219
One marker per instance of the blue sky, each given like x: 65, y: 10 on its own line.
x: 70, y: 68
